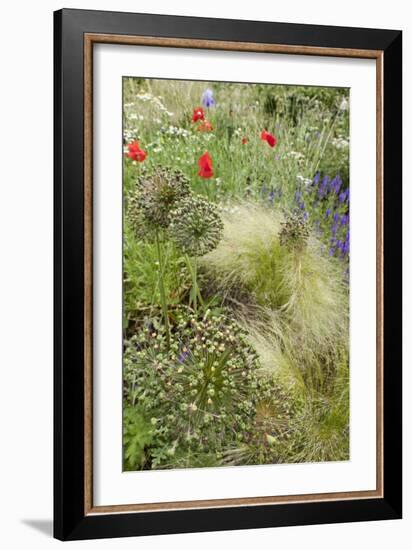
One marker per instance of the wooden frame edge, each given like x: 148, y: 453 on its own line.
x: 89, y: 40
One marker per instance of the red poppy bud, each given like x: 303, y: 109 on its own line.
x: 244, y: 140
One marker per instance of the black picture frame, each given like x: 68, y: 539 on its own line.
x: 70, y: 520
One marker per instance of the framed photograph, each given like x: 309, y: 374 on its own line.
x: 227, y: 274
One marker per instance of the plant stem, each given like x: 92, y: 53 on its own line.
x: 162, y: 290
x: 195, y: 292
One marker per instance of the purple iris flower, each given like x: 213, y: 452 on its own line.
x: 207, y: 98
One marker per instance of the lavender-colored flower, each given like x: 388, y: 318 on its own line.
x: 327, y: 213
x: 344, y: 219
x: 331, y: 251
x: 316, y: 178
x: 336, y: 217
x: 301, y: 205
x: 207, y: 98
x: 305, y: 216
x: 298, y: 196
x: 323, y: 188
x: 335, y: 184
x: 344, y: 195
x: 334, y: 228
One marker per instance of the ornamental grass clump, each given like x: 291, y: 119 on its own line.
x: 199, y: 393
x: 290, y: 294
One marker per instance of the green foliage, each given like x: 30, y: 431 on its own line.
x: 141, y: 292
x: 137, y: 435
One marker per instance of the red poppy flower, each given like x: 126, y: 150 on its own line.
x: 204, y: 126
x: 198, y: 114
x: 244, y: 140
x: 135, y: 153
x: 205, y: 166
x: 269, y: 138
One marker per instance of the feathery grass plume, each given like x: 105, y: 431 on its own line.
x: 320, y: 432
x: 297, y: 428
x: 196, y: 225
x: 297, y: 297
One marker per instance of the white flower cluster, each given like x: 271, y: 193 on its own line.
x: 130, y: 135
x: 134, y: 116
x: 305, y: 181
x: 340, y: 142
x: 295, y: 155
x: 175, y: 131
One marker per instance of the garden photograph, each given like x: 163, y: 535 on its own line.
x: 236, y: 256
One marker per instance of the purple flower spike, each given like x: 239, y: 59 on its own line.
x: 327, y: 213
x: 323, y: 187
x: 335, y: 184
x: 344, y: 219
